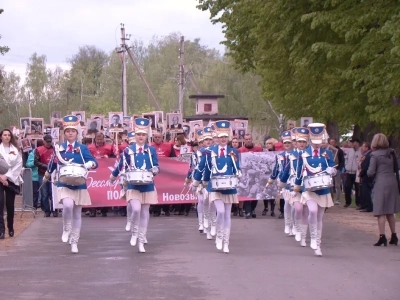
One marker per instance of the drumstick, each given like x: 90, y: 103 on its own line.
x: 183, y: 189
x: 324, y: 170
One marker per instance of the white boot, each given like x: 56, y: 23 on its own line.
x: 200, y: 218
x: 74, y: 248
x: 297, y: 235
x: 209, y: 236
x: 303, y: 235
x: 145, y: 240
x: 66, y: 231
x: 227, y: 233
x: 314, y: 236
x: 287, y: 225
x: 213, y: 219
x: 291, y: 228
x: 219, y: 238
x: 318, y: 251
x: 134, y: 230
x: 128, y: 225
x: 141, y: 242
x: 74, y: 240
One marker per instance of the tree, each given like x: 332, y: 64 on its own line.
x: 3, y: 49
x: 335, y: 60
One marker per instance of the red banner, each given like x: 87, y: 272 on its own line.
x: 169, y: 184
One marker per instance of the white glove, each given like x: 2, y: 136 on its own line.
x: 112, y: 178
x: 239, y: 174
x: 193, y: 188
x: 155, y: 170
x: 293, y: 194
x: 330, y: 171
x: 88, y: 165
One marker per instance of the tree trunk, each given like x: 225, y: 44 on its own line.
x: 332, y: 129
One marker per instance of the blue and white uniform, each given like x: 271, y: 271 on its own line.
x: 72, y: 197
x: 204, y: 207
x: 139, y: 197
x: 224, y: 162
x: 316, y: 160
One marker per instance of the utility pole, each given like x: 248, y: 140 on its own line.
x: 181, y: 73
x: 121, y: 50
x: 141, y: 75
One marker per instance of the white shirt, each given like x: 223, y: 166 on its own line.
x: 138, y: 147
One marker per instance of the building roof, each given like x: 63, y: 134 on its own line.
x: 213, y: 117
x: 206, y: 96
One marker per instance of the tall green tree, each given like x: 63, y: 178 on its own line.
x: 334, y: 60
x: 3, y: 49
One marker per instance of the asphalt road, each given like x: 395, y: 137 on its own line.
x: 181, y: 264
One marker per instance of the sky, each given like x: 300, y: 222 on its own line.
x: 58, y: 28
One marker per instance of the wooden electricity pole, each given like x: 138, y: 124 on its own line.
x: 181, y: 73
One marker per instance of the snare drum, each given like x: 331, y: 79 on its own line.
x: 72, y: 174
x: 224, y: 182
x: 317, y: 182
x: 139, y: 177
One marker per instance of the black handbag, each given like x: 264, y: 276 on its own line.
x: 395, y: 168
x: 14, y: 188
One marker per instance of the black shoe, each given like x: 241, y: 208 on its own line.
x: 264, y: 212
x: 47, y: 214
x: 272, y: 214
x: 157, y: 214
x: 281, y: 216
x: 241, y: 214
x: 2, y: 236
x: 393, y: 239
x: 11, y: 233
x: 248, y: 215
x: 382, y: 241
x: 253, y: 214
x: 186, y: 213
x: 55, y: 214
x: 365, y: 210
x: 235, y: 213
x: 346, y: 205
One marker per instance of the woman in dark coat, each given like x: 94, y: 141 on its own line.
x: 384, y: 169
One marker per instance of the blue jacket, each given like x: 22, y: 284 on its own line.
x: 221, y: 162
x: 30, y: 164
x: 291, y: 168
x: 140, y: 160
x: 76, y: 155
x: 194, y: 161
x: 324, y: 160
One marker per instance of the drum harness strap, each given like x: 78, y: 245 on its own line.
x: 133, y: 154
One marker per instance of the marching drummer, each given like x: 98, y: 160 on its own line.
x: 139, y: 157
x: 204, y: 207
x: 224, y: 162
x: 281, y: 162
x: 194, y: 161
x: 315, y: 163
x: 293, y: 171
x: 131, y: 140
x: 72, y: 197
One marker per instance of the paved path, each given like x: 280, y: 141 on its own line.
x: 181, y: 264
